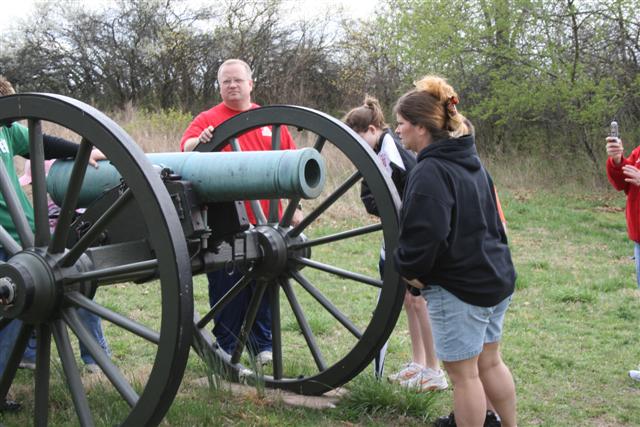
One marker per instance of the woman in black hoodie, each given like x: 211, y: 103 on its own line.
x: 454, y: 248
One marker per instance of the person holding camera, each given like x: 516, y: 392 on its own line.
x: 624, y: 175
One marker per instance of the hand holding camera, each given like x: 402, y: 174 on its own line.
x: 614, y: 144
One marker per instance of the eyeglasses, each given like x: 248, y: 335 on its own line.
x: 229, y: 82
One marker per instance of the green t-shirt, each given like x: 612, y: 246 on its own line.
x: 14, y: 141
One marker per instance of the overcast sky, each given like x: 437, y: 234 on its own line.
x: 14, y: 9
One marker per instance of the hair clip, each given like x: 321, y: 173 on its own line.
x: 451, y: 105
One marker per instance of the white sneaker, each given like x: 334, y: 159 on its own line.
x: 407, y: 372
x: 635, y: 375
x: 264, y: 358
x: 92, y: 368
x: 427, y: 380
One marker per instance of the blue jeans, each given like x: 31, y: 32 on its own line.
x: 460, y: 329
x: 636, y: 253
x: 93, y: 323
x: 8, y: 337
x: 9, y: 334
x: 229, y: 321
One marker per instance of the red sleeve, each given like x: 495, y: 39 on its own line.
x: 615, y: 175
x: 614, y: 172
x: 195, y: 129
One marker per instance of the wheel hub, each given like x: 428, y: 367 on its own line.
x: 29, y: 282
x: 274, y: 251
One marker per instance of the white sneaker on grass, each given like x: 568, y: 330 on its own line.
x: 264, y: 358
x: 634, y: 374
x: 92, y: 368
x: 427, y: 380
x: 407, y: 372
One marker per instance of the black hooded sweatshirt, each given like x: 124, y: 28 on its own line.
x: 451, y: 234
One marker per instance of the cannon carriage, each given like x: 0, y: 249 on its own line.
x: 163, y: 220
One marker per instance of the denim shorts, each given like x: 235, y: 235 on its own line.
x: 460, y: 329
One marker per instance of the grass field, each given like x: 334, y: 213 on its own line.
x: 570, y: 335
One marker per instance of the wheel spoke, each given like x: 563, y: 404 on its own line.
x: 340, y: 272
x: 235, y: 145
x: 132, y: 326
x: 118, y: 380
x: 130, y: 271
x: 338, y: 192
x: 256, y: 207
x: 274, y: 210
x: 68, y: 209
x: 276, y: 329
x: 274, y: 204
x: 304, y: 325
x: 328, y: 305
x: 249, y: 320
x: 14, y: 359
x: 87, y: 239
x: 42, y: 374
x: 275, y: 137
x: 285, y: 221
x: 72, y: 374
x: 226, y: 298
x: 338, y: 236
x: 319, y: 144
x: 15, y: 209
x: 39, y: 184
x: 6, y: 241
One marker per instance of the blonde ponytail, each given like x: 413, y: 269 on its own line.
x: 454, y: 122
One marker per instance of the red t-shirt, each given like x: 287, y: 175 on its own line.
x: 256, y: 140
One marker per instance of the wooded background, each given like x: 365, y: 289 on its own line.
x: 535, y: 76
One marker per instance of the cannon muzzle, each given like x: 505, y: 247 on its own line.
x: 215, y: 177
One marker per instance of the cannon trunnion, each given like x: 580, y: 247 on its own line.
x: 157, y: 221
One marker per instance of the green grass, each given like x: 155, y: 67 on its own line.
x: 570, y: 334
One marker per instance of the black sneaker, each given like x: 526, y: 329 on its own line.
x: 491, y: 420
x: 446, y: 421
x: 10, y: 406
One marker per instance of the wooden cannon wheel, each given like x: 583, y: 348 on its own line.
x: 51, y: 282
x: 300, y: 272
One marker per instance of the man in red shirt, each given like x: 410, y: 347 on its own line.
x: 235, y: 83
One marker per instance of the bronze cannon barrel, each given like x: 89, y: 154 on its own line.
x: 216, y: 177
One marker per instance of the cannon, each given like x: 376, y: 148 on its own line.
x: 156, y: 225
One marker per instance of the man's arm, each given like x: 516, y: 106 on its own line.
x: 204, y: 137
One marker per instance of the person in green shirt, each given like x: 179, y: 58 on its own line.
x: 14, y: 141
